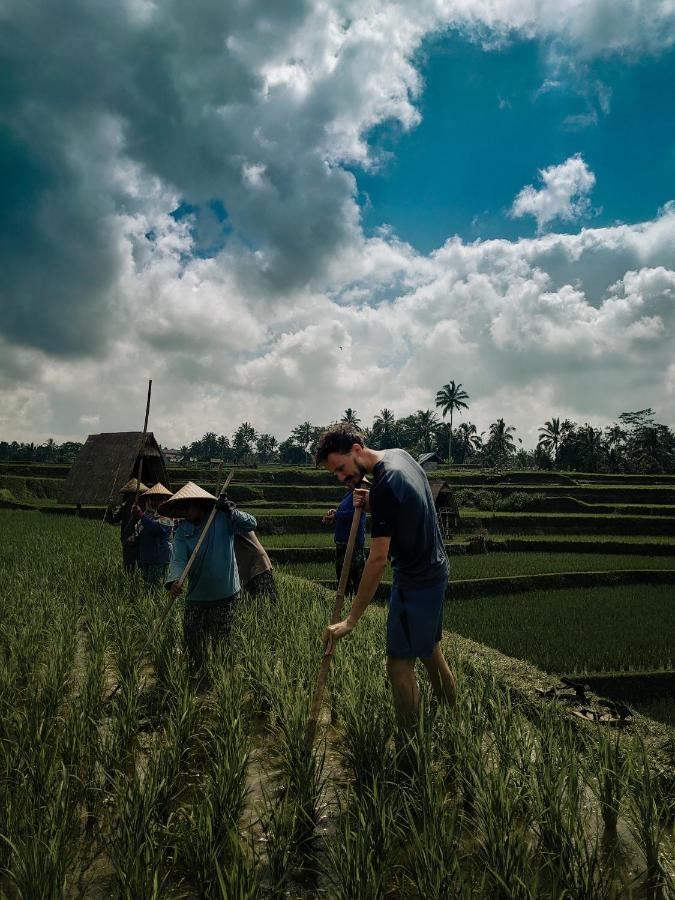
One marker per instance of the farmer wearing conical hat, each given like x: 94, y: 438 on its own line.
x: 213, y: 585
x: 154, y: 535
x: 123, y: 515
x: 255, y: 567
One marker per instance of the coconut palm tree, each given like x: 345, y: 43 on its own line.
x: 590, y: 447
x: 451, y: 397
x: 305, y: 436
x: 468, y: 441
x: 350, y: 418
x: 384, y: 429
x: 501, y: 442
x: 550, y: 436
x: 425, y: 425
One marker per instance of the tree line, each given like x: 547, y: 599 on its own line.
x: 635, y: 443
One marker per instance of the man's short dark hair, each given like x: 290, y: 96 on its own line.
x: 338, y: 438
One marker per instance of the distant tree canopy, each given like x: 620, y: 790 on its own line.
x: 635, y: 443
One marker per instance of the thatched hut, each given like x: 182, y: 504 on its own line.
x: 446, y: 507
x: 430, y: 461
x: 90, y: 479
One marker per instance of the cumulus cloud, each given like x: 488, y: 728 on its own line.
x: 179, y: 201
x: 563, y: 195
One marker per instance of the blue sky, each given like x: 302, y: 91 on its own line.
x: 491, y: 119
x: 180, y: 205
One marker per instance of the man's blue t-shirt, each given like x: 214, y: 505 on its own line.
x: 402, y: 508
x: 343, y: 522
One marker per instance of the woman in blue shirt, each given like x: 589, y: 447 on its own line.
x: 341, y: 519
x: 213, y: 583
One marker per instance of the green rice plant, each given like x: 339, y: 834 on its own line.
x: 502, y: 835
x: 610, y: 771
x: 279, y: 829
x: 650, y: 817
x: 359, y: 860
x: 208, y: 833
x: 569, y: 849
x: 429, y: 818
x: 133, y: 841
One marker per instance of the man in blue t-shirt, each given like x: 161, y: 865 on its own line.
x: 405, y: 529
x: 341, y: 519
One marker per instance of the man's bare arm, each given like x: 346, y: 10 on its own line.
x: 370, y: 580
x: 372, y: 575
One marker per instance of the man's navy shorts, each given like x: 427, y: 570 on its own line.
x: 415, y: 620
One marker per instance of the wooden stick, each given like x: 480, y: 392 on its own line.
x: 108, y: 504
x: 142, y: 450
x: 336, y: 616
x: 184, y: 574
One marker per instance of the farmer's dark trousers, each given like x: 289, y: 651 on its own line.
x: 356, y: 568
x: 207, y: 623
x: 129, y: 556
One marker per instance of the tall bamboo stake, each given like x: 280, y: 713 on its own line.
x: 336, y: 616
x: 142, y: 450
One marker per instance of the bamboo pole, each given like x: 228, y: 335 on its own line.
x: 336, y: 616
x: 142, y: 450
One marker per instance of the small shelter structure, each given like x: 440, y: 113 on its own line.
x: 91, y: 480
x: 430, y: 461
x: 446, y: 507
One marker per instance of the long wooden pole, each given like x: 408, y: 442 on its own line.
x: 336, y: 616
x: 181, y: 580
x: 142, y: 450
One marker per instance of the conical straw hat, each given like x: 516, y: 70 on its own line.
x: 158, y: 490
x: 190, y: 493
x: 130, y: 487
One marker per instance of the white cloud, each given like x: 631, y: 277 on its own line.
x: 261, y: 106
x: 564, y: 194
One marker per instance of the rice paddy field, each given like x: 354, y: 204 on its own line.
x: 183, y: 787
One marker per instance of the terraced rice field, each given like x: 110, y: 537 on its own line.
x: 595, y: 629
x: 507, y: 564
x: 179, y: 787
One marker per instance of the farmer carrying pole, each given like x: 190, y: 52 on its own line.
x: 315, y: 708
x: 124, y: 513
x: 204, y: 555
x: 191, y: 501
x: 405, y: 528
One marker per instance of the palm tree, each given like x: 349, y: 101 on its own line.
x: 305, y: 435
x: 451, y: 397
x: 590, y: 447
x: 468, y: 439
x: 384, y: 429
x: 425, y: 424
x: 350, y: 418
x: 242, y: 443
x: 550, y: 436
x: 501, y: 441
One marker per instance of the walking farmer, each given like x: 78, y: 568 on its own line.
x: 154, y: 536
x: 124, y: 516
x: 404, y: 527
x: 341, y: 520
x: 213, y: 582
x: 255, y: 567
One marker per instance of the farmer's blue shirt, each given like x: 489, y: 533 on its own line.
x: 214, y: 574
x: 154, y: 543
x: 343, y: 522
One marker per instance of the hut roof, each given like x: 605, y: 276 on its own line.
x: 430, y: 457
x: 90, y: 479
x: 442, y: 493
